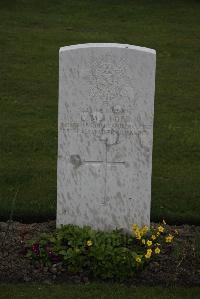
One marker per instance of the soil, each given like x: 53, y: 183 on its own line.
x: 179, y: 265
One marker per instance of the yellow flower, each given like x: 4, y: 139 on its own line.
x: 169, y: 238
x: 157, y: 250
x: 161, y: 229
x: 138, y: 259
x: 153, y: 237
x: 149, y: 243
x: 134, y: 227
x: 89, y: 243
x: 144, y: 229
x: 143, y: 241
x: 158, y: 234
x: 138, y: 236
x: 148, y: 254
x: 157, y: 244
x: 139, y: 233
x: 176, y: 232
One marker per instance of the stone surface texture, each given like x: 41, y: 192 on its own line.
x: 105, y: 135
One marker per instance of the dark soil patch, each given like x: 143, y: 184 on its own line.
x: 179, y: 265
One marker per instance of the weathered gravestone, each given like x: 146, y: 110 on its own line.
x: 106, y: 105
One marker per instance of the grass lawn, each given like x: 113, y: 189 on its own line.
x: 31, y: 33
x: 99, y: 291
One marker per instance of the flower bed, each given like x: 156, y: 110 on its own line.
x: 135, y: 259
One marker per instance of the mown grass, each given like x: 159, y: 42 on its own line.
x: 100, y: 291
x: 31, y: 33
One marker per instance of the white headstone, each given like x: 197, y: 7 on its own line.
x: 106, y: 106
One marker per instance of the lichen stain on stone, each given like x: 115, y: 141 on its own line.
x: 75, y: 160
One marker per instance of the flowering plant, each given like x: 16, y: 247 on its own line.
x: 152, y: 239
x: 98, y: 254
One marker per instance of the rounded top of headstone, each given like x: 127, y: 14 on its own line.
x: 107, y: 45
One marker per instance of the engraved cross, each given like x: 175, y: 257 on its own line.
x: 105, y: 164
